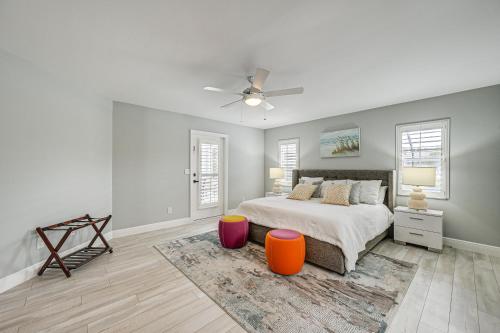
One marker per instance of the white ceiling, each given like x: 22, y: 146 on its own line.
x: 348, y: 55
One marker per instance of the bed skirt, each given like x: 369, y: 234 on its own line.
x: 320, y: 253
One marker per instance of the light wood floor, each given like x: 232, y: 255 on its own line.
x: 136, y: 290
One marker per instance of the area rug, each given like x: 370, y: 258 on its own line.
x: 315, y: 300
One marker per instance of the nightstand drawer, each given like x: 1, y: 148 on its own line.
x: 419, y: 221
x: 420, y: 237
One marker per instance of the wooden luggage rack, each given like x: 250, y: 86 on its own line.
x: 77, y: 258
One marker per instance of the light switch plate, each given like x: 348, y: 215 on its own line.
x: 187, y: 171
x: 169, y: 210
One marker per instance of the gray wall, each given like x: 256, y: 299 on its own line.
x: 55, y: 159
x: 150, y: 153
x: 473, y: 211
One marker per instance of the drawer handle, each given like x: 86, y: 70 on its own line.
x: 416, y: 234
x: 416, y: 218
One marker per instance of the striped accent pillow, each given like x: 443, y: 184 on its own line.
x: 302, y: 192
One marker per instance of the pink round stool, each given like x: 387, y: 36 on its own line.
x: 233, y: 231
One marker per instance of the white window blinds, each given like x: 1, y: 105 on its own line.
x: 209, y: 174
x: 424, y: 145
x: 288, y: 158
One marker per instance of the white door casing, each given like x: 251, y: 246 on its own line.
x: 208, y: 177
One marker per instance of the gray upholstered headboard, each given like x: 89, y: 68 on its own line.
x: 388, y: 178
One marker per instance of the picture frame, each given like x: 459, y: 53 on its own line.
x: 341, y: 143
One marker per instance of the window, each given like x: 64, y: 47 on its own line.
x: 209, y: 174
x: 288, y: 159
x: 424, y: 145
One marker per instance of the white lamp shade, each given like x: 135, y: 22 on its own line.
x: 419, y: 176
x: 276, y: 173
x: 252, y: 100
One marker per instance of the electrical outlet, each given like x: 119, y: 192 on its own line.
x: 169, y: 210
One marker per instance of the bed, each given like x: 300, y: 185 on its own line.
x: 336, y: 236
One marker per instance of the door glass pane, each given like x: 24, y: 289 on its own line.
x: 209, y: 174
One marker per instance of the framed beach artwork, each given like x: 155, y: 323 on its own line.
x: 344, y: 143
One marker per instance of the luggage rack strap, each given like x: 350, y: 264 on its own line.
x: 78, y: 223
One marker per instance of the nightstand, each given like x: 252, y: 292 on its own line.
x: 272, y: 194
x: 422, y: 227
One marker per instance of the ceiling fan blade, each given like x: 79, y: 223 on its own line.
x: 223, y: 91
x: 284, y: 92
x: 229, y: 104
x: 259, y: 78
x: 266, y: 105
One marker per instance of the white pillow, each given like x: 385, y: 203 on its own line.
x: 327, y: 183
x: 369, y: 191
x: 310, y: 180
x: 355, y: 190
x: 381, y: 194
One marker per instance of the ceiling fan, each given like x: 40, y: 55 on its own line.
x: 254, y: 95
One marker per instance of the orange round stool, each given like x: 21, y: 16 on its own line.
x: 285, y: 251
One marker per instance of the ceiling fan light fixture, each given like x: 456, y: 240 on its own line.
x: 253, y: 100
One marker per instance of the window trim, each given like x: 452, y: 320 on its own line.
x: 288, y: 141
x: 445, y: 159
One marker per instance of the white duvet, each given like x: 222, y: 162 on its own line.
x: 349, y: 228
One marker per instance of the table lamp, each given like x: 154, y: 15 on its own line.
x: 276, y: 174
x: 418, y: 177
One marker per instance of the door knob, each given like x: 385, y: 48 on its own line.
x: 196, y: 181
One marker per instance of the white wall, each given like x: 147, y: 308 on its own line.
x: 55, y: 159
x: 150, y: 153
x: 473, y: 212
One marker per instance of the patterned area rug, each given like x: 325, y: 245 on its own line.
x: 314, y: 300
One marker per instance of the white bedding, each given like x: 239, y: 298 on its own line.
x: 349, y: 228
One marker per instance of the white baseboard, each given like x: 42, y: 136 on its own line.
x: 151, y: 227
x: 473, y: 247
x: 14, y: 279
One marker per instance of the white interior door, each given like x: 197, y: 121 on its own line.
x: 207, y: 175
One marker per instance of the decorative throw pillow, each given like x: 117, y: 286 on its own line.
x: 302, y: 192
x: 355, y: 191
x: 369, y: 191
x: 327, y: 183
x: 337, y: 194
x: 313, y: 181
x: 381, y: 194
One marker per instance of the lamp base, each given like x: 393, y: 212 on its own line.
x: 277, y: 187
x: 417, y: 199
